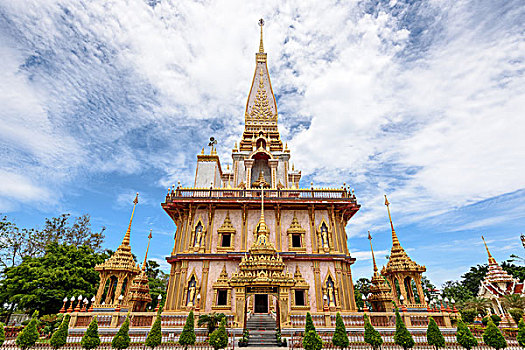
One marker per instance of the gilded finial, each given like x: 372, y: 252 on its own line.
x: 293, y: 167
x: 372, y: 249
x: 395, y: 240
x: 261, y: 47
x: 262, y: 224
x: 125, y: 241
x: 202, y: 152
x: 147, y: 249
x: 491, y: 259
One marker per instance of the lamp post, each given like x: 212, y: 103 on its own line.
x: 91, y: 306
x: 63, y: 309
x: 159, y: 298
x: 365, y: 307
x: 85, y: 302
x: 428, y: 305
x: 454, y: 306
x: 197, y: 307
x: 77, y: 309
x: 447, y: 304
x: 401, y: 300
x: 325, y: 302
x: 117, y: 309
x: 440, y: 298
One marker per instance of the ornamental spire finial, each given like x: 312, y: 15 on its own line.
x: 395, y: 240
x: 491, y: 259
x: 147, y: 249
x: 261, y: 46
x: 372, y: 249
x: 125, y: 241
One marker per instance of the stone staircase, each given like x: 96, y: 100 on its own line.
x: 262, y: 329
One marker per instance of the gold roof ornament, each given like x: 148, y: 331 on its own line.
x: 139, y: 290
x: 380, y: 296
x: 491, y: 259
x: 261, y: 46
x: 147, y: 250
x: 227, y: 226
x: 372, y: 250
x: 122, y: 259
x: 295, y: 226
x: 261, y: 182
x: 399, y: 260
x: 495, y: 274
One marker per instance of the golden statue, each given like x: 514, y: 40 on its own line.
x: 324, y: 233
x: 331, y: 295
x: 191, y: 297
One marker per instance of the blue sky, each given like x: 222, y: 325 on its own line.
x: 420, y: 100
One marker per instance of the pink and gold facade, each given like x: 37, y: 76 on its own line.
x: 230, y: 255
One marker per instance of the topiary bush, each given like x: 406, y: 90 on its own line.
x: 402, y: 336
x: 468, y: 315
x: 121, y: 340
x: 464, y: 336
x: 2, y: 334
x: 312, y: 341
x: 29, y: 335
x: 309, y: 323
x: 219, y: 337
x: 492, y: 337
x: 372, y: 336
x: 340, y: 338
x: 495, y: 318
x: 187, y: 337
x: 521, y: 333
x: 154, y: 337
x: 434, y: 336
x: 91, y: 340
x: 516, y: 314
x: 59, y: 338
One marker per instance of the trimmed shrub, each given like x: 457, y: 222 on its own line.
x: 91, y: 340
x: 59, y: 338
x: 468, y: 315
x: 521, y: 333
x: 516, y: 314
x: 464, y: 336
x: 121, y: 340
x: 29, y: 335
x: 372, y: 337
x: 154, y: 337
x: 2, y: 334
x: 340, y: 337
x: 312, y: 341
x: 492, y: 337
x: 219, y: 337
x: 495, y: 318
x: 187, y: 337
x: 309, y: 323
x: 402, y: 336
x: 434, y: 336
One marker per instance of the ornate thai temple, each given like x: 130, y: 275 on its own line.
x: 249, y: 239
x: 497, y: 284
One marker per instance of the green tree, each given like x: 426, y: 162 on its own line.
x: 41, y: 283
x: 479, y: 304
x: 358, y: 297
x: 472, y: 279
x: 428, y: 287
x: 187, y: 337
x: 312, y: 341
x: 492, y: 336
x: 29, y: 335
x: 464, y: 336
x: 513, y: 301
x: 457, y: 291
x: 59, y: 338
x: 521, y: 333
x: 2, y: 334
x: 91, y: 340
x: 434, y: 336
x: 340, y: 338
x: 309, y: 326
x: 468, y: 315
x: 372, y: 336
x: 121, y: 340
x: 516, y: 314
x: 363, y: 285
x: 210, y: 320
x: 157, y: 282
x: 402, y: 336
x: 154, y: 337
x: 219, y: 337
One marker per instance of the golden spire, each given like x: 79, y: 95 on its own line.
x: 125, y: 241
x: 372, y: 249
x: 395, y: 240
x: 147, y: 249
x: 261, y: 46
x: 262, y: 224
x: 491, y: 259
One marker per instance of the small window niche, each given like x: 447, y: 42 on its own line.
x: 299, y: 298
x: 226, y: 235
x: 296, y: 235
x: 226, y: 240
x: 222, y: 297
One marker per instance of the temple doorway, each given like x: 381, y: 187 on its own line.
x: 261, y: 303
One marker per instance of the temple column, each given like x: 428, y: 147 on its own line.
x: 248, y: 164
x: 283, y: 305
x: 313, y: 230
x: 240, y: 301
x: 317, y: 279
x: 204, y: 282
x: 273, y: 163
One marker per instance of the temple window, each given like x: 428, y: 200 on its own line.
x: 299, y: 298
x: 296, y: 240
x: 226, y: 240
x: 226, y: 234
x: 222, y: 297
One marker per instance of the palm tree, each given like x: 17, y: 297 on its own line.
x: 210, y: 320
x: 479, y: 304
x: 513, y: 301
